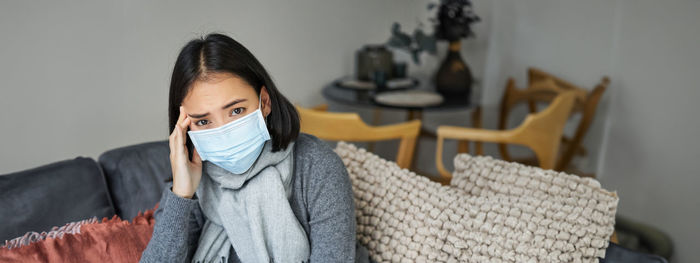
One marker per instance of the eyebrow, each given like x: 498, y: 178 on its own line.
x: 197, y: 116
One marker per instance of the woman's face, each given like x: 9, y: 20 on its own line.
x: 221, y: 99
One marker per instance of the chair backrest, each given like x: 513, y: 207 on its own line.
x: 335, y: 126
x: 540, y: 131
x: 586, y: 102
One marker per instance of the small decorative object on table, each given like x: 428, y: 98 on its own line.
x: 377, y: 71
x: 372, y: 59
x: 454, y: 19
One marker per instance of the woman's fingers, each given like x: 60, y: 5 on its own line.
x: 196, y: 159
x: 182, y: 115
x: 177, y: 139
x: 183, y: 130
x: 182, y: 122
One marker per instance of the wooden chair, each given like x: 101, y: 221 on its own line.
x: 540, y: 131
x: 335, y: 126
x: 586, y: 103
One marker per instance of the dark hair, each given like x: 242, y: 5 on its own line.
x: 218, y: 53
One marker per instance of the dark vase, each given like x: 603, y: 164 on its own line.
x: 453, y: 78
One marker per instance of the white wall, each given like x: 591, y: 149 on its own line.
x: 570, y: 39
x: 652, y: 146
x: 643, y: 143
x: 82, y: 77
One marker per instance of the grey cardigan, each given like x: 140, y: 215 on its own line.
x: 322, y: 201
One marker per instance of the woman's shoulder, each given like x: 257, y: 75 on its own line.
x: 321, y: 175
x: 307, y: 145
x: 315, y: 155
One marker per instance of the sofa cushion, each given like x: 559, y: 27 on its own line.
x: 136, y: 175
x: 51, y: 195
x: 618, y: 254
x: 402, y: 216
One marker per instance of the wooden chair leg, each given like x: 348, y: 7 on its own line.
x: 376, y: 118
x: 463, y: 147
x: 477, y: 123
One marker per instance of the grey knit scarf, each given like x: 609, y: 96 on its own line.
x: 251, y: 212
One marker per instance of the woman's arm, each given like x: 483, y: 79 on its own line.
x: 331, y: 210
x: 178, y: 224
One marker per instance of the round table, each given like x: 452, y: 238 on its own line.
x: 365, y: 98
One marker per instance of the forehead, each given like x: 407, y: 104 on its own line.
x: 218, y: 89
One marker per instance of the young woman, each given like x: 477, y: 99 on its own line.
x: 245, y: 186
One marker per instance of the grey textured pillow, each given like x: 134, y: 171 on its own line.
x: 403, y: 217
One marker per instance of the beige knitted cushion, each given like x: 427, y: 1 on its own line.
x: 521, y: 214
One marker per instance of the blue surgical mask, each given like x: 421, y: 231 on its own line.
x: 234, y: 146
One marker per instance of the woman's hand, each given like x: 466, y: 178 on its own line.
x: 186, y: 173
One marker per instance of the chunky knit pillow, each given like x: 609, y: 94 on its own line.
x: 403, y: 217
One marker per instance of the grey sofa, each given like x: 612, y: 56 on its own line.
x: 122, y: 182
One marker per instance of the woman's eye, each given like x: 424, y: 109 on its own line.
x: 201, y: 122
x: 237, y: 111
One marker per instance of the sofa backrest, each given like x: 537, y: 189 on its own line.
x: 52, y: 195
x: 136, y: 176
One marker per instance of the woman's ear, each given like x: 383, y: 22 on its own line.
x: 266, y: 103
